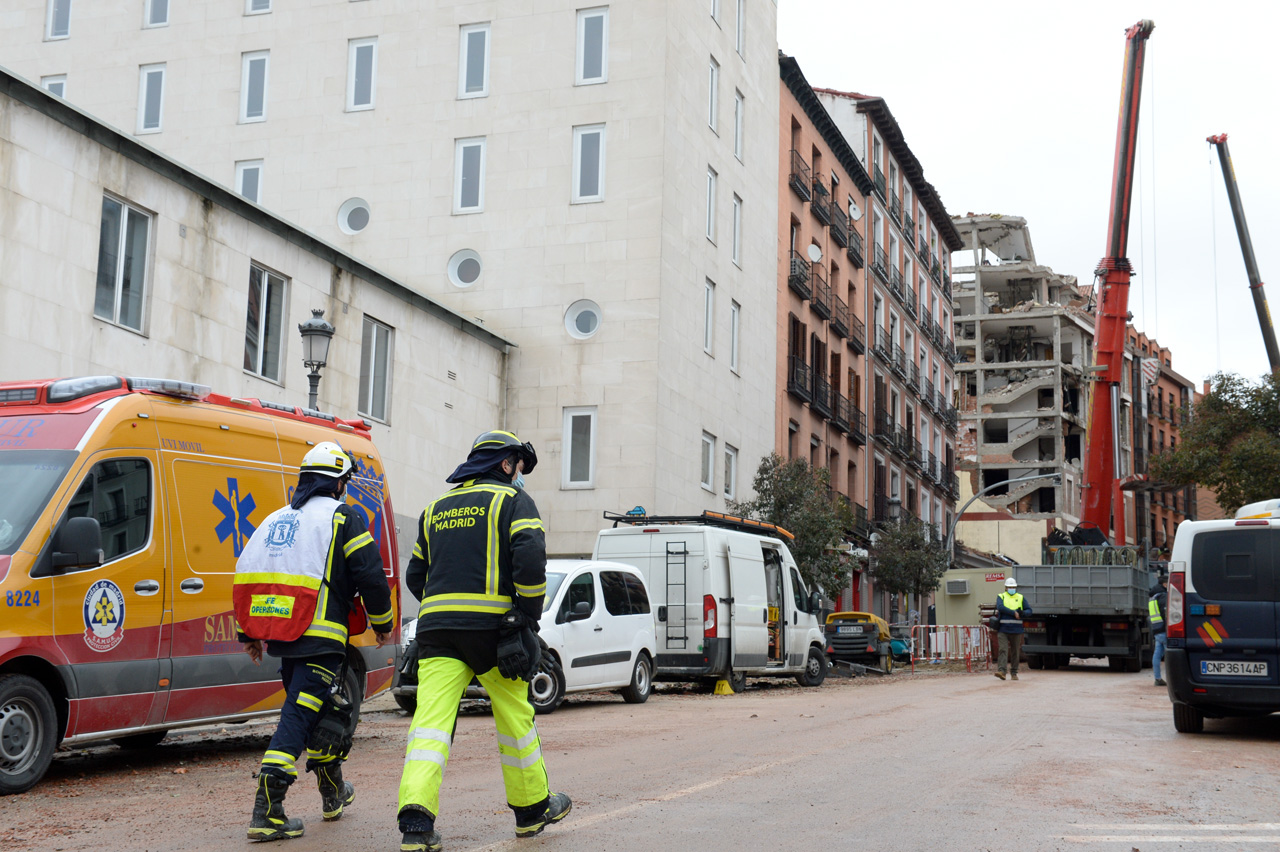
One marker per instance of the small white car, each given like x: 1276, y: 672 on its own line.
x: 598, y: 634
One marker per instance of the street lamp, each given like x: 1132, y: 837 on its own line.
x: 951, y: 531
x: 316, y: 334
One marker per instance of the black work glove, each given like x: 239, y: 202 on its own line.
x: 519, y: 651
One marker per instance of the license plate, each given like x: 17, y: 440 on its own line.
x: 1233, y: 668
x: 849, y: 628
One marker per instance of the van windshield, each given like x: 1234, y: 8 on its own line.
x: 27, y: 481
x: 554, y: 579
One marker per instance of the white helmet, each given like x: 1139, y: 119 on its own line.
x: 1011, y: 583
x: 327, y: 459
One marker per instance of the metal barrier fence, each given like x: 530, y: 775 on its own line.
x: 969, y: 643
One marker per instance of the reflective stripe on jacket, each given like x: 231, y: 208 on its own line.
x: 481, y: 550
x: 1009, y: 607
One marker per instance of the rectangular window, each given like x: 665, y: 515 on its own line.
x: 257, y: 7
x: 730, y: 472
x: 739, y: 109
x: 249, y: 180
x: 473, y: 61
x: 375, y: 370
x: 735, y: 331
x: 264, y: 323
x: 362, y: 71
x: 711, y: 204
x: 55, y: 84
x: 253, y: 86
x: 593, y: 46
x: 468, y: 182
x: 123, y: 250
x: 736, y: 248
x: 713, y: 93
x: 741, y: 23
x: 708, y: 316
x: 58, y: 19
x: 150, y: 98
x: 579, y: 465
x: 715, y: 10
x: 157, y: 13
x: 588, y: 163
x: 708, y: 456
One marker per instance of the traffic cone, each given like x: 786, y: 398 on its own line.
x: 723, y: 688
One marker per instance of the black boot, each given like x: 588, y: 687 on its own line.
x: 532, y: 824
x: 269, y: 821
x: 334, y: 792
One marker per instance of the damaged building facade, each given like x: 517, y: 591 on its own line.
x: 1024, y: 341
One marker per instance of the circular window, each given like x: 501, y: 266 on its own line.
x: 464, y: 268
x: 353, y: 215
x: 582, y: 320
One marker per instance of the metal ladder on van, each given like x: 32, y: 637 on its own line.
x: 677, y: 585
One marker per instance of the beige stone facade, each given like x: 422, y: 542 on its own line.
x: 419, y: 139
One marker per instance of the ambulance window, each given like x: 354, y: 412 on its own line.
x: 797, y: 589
x: 583, y: 588
x: 118, y: 494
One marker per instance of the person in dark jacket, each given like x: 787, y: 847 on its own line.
x: 479, y: 570
x: 1010, y: 607
x: 316, y: 543
x: 1156, y: 615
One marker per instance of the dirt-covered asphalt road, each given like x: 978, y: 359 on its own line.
x: 1081, y: 758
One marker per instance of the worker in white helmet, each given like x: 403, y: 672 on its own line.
x: 1011, y: 606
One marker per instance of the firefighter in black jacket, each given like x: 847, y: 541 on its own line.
x: 479, y: 569
x: 316, y: 542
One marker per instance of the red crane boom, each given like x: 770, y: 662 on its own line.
x: 1101, y: 487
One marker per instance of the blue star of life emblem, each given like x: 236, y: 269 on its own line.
x: 235, y: 523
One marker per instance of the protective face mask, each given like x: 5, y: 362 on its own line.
x: 518, y: 482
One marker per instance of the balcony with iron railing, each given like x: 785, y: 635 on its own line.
x: 902, y: 442
x: 861, y: 524
x: 880, y: 264
x: 899, y: 362
x: 909, y: 298
x: 926, y: 320
x: 932, y: 469
x: 927, y: 395
x: 883, y: 347
x: 821, y: 205
x: 895, y: 284
x: 884, y: 428
x: 939, y: 336
x: 895, y: 208
x: 935, y: 270
x: 798, y: 274
x: 821, y: 401
x: 840, y: 411
x: 880, y: 508
x: 800, y: 179
x: 821, y: 303
x: 854, y: 250
x: 878, y: 177
x: 857, y: 335
x: 857, y: 424
x: 839, y: 226
x: 913, y: 376
x: 946, y: 286
x: 799, y: 379
x: 918, y: 456
x: 909, y: 230
x: 839, y: 317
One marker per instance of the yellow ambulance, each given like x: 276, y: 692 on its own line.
x: 124, y: 503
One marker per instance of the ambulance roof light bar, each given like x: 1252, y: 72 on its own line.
x: 171, y: 387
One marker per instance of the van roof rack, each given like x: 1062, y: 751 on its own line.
x: 707, y: 518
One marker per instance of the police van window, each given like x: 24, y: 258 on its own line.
x: 636, y: 594
x: 615, y: 593
x: 583, y: 588
x: 1236, y: 565
x: 118, y: 494
x: 797, y: 589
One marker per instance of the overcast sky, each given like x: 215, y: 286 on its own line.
x: 1011, y: 108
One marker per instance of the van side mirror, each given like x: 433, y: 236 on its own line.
x: 815, y: 601
x: 78, y: 544
x: 580, y: 610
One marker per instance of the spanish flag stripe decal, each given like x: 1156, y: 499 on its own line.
x: 1219, y: 628
x: 1205, y: 636
x: 1209, y: 629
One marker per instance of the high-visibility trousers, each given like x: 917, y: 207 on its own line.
x: 441, y: 683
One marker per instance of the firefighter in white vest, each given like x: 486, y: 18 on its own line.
x: 295, y: 585
x: 480, y: 569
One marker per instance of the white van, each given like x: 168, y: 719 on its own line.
x: 597, y: 633
x: 729, y: 600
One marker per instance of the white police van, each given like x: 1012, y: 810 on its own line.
x: 1223, y: 617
